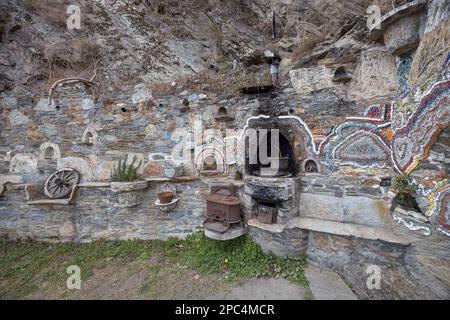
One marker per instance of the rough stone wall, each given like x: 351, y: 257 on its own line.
x: 389, y: 131
x: 97, y: 213
x: 355, y: 200
x: 407, y: 272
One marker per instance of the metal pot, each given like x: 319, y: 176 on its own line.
x: 165, y: 197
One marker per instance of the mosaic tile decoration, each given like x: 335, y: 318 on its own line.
x: 412, y: 143
x: 360, y: 142
x: 406, y: 133
x: 378, y: 111
x: 362, y: 147
x: 439, y: 208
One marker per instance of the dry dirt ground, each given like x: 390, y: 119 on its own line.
x: 197, y: 268
x: 140, y: 279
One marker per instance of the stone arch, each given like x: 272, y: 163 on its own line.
x: 310, y: 166
x: 49, y: 151
x: 292, y: 128
x: 208, y: 153
x: 222, y: 112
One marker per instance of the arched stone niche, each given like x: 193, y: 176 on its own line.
x: 89, y: 137
x: 211, y: 161
x: 341, y: 75
x: 49, y: 151
x: 222, y: 114
x: 310, y: 166
x: 73, y: 93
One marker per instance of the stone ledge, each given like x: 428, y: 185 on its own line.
x: 232, y: 233
x: 273, y: 228
x: 64, y: 202
x: 392, y: 16
x: 346, y: 229
x: 179, y: 179
x: 94, y: 185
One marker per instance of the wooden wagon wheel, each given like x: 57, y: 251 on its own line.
x: 61, y: 183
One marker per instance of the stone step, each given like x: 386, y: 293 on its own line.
x: 347, y: 229
x: 263, y: 289
x: 327, y: 285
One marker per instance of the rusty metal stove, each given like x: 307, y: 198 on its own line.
x: 266, y: 212
x: 223, y: 209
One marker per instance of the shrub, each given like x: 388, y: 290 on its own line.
x: 126, y: 172
x: 406, y: 192
x: 401, y: 184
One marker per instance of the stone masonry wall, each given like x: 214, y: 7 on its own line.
x: 96, y: 214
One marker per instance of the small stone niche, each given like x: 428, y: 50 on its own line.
x: 211, y: 161
x: 222, y: 114
x: 210, y: 164
x: 341, y: 75
x: 89, y: 137
x: 48, y: 159
x: 311, y: 166
x: 49, y: 151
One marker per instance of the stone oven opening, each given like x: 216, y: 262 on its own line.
x: 210, y: 164
x: 266, y: 211
x: 284, y: 156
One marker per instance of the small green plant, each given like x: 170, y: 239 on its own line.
x: 405, y: 192
x: 401, y: 184
x: 126, y: 172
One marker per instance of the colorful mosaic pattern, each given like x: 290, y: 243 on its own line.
x: 439, y: 198
x: 379, y: 111
x: 405, y: 134
x: 361, y: 142
x: 362, y: 146
x: 411, y: 144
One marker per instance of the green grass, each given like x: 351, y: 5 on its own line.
x: 26, y: 265
x: 309, y: 295
x: 239, y: 258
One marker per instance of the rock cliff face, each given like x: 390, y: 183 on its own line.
x: 356, y: 106
x: 173, y: 45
